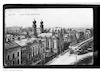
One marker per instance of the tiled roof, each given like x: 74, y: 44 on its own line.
x: 10, y: 45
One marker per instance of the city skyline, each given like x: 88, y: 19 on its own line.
x: 65, y: 18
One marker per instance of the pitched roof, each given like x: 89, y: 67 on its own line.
x: 12, y: 44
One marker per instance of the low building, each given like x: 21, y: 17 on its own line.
x: 67, y: 41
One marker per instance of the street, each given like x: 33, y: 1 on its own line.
x: 68, y: 59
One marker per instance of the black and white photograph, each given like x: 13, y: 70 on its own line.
x: 48, y: 36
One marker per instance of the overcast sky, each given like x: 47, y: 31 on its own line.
x: 54, y: 17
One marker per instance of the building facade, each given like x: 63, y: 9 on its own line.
x: 88, y: 33
x: 12, y: 54
x: 51, y: 43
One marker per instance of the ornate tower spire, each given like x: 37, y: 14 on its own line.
x: 34, y: 28
x: 34, y: 22
x: 41, y: 27
x: 41, y: 22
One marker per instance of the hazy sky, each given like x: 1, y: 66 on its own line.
x: 52, y: 17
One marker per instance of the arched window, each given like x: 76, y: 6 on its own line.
x: 21, y: 54
x: 48, y: 43
x: 33, y: 51
x: 53, y: 44
x: 36, y: 50
x: 17, y: 53
x: 8, y: 57
x: 13, y: 56
x: 18, y: 61
x: 13, y: 62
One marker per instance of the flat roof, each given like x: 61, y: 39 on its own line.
x: 45, y: 35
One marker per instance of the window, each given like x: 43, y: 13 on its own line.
x: 13, y: 55
x: 53, y: 44
x: 29, y: 56
x: 18, y: 61
x: 13, y: 62
x: 37, y: 49
x: 21, y: 61
x: 33, y: 51
x: 8, y: 57
x: 17, y: 53
x: 21, y: 54
x: 48, y: 44
x: 8, y: 63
